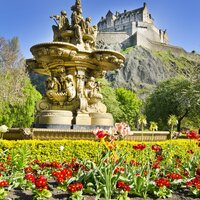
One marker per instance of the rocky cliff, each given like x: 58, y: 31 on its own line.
x: 145, y: 68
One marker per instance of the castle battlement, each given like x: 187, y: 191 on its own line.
x: 130, y: 24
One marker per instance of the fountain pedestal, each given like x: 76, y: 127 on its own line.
x: 54, y: 119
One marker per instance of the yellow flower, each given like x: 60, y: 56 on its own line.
x: 110, y: 145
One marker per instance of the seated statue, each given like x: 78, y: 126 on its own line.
x: 94, y: 97
x: 88, y: 28
x: 68, y: 87
x: 62, y: 25
x: 92, y: 91
x: 52, y: 84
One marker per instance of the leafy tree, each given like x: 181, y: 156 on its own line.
x: 129, y: 104
x: 18, y: 96
x: 110, y: 100
x: 177, y: 96
x: 11, y: 71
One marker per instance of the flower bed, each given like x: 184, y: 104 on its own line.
x: 119, y: 170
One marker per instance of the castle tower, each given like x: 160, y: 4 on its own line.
x: 146, y: 16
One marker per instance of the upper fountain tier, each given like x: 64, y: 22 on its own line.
x: 48, y: 56
x: 74, y: 45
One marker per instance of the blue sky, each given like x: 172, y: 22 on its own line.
x: 29, y: 19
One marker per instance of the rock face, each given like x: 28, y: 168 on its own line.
x: 144, y: 68
x: 141, y: 71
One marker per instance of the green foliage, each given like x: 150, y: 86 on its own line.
x: 172, y: 121
x: 177, y: 96
x: 129, y: 104
x: 18, y: 96
x: 21, y: 114
x: 100, y: 178
x: 19, y: 159
x: 41, y: 195
x: 3, y: 193
x: 153, y: 126
x: 162, y: 192
x: 25, y: 115
x: 127, y: 50
x: 110, y: 100
x: 182, y: 64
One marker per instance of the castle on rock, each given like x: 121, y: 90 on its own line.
x: 135, y: 27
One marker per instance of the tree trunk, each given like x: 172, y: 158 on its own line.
x: 180, y: 119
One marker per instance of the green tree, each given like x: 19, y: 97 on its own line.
x: 18, y: 96
x: 110, y: 100
x: 177, y: 96
x: 129, y: 104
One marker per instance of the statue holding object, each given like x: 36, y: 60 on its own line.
x: 80, y: 32
x: 62, y: 24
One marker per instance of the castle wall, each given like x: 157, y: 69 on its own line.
x: 141, y: 40
x: 112, y: 37
x: 126, y: 27
x: 137, y: 39
x: 147, y: 29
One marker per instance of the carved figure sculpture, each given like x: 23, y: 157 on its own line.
x: 53, y: 84
x: 80, y: 85
x: 78, y: 23
x: 68, y: 87
x: 88, y: 28
x: 93, y: 96
x: 62, y: 25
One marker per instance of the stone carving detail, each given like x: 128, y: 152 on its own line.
x: 80, y: 32
x: 55, y: 52
x: 62, y: 90
x: 93, y: 96
x: 109, y: 58
x: 80, y: 85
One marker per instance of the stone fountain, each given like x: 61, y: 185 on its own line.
x: 73, y: 98
x: 72, y: 105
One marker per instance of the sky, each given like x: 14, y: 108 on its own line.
x: 29, y: 19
